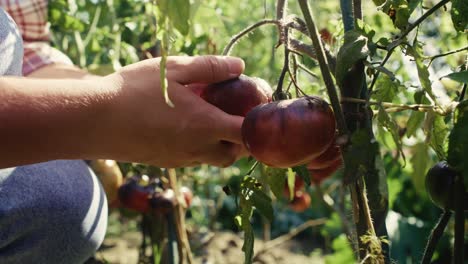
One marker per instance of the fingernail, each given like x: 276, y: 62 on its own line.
x: 236, y: 66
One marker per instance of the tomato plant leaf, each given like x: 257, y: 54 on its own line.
x: 423, y: 73
x: 386, y: 89
x: 291, y: 183
x: 416, y: 118
x: 276, y: 179
x: 419, y: 161
x: 303, y: 172
x: 262, y: 203
x: 437, y: 132
x: 458, y: 13
x: 458, y: 141
x: 461, y: 77
x: 362, y: 150
x: 354, y: 49
x: 386, y: 121
x: 243, y: 219
x: 178, y: 13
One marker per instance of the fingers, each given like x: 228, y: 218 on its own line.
x: 228, y: 128
x: 223, y: 154
x: 203, y: 69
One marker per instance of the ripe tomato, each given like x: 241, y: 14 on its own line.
x: 327, y: 158
x: 238, y: 96
x: 301, y: 202
x: 318, y: 175
x: 288, y: 133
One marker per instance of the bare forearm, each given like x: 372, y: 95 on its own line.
x: 50, y: 119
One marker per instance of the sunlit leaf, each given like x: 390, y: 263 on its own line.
x: 423, y: 73
x: 353, y: 50
x: 385, y: 120
x: 461, y: 77
x: 437, y: 132
x: 416, y: 118
x: 459, y: 17
x: 419, y: 161
x: 276, y: 179
x: 386, y: 89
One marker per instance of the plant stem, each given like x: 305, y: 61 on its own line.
x: 436, y: 234
x: 391, y: 47
x: 432, y: 58
x: 324, y: 68
x: 347, y: 14
x: 458, y: 251
x: 237, y: 37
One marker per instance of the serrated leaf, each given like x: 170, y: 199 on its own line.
x: 386, y: 89
x: 262, y: 203
x: 461, y: 77
x: 303, y: 172
x: 458, y: 13
x: 423, y: 73
x: 354, y: 49
x: 386, y: 121
x: 437, y: 135
x: 276, y: 178
x: 458, y: 141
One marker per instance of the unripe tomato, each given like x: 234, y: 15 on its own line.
x: 238, y: 96
x: 110, y: 176
x: 288, y: 133
x: 440, y: 184
x: 318, y: 175
x: 188, y: 195
x: 327, y: 158
x: 301, y: 202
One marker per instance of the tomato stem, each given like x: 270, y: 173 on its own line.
x: 435, y: 236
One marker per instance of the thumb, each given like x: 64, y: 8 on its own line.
x: 203, y: 69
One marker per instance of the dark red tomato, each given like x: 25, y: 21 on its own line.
x: 327, y: 158
x: 134, y: 196
x: 163, y: 202
x: 440, y: 184
x: 301, y: 202
x: 298, y: 185
x: 188, y: 195
x: 318, y: 175
x: 238, y: 96
x: 288, y: 133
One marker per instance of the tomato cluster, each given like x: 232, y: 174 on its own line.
x: 143, y: 195
x: 283, y: 133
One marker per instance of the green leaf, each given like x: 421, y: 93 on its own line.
x: 423, y: 73
x: 461, y: 77
x: 459, y: 17
x: 262, y: 203
x: 386, y: 89
x: 291, y: 183
x: 386, y: 121
x: 416, y: 118
x: 303, y: 172
x: 354, y: 49
x: 437, y: 132
x: 419, y: 161
x: 178, y: 12
x: 458, y: 141
x: 362, y: 150
x: 276, y: 178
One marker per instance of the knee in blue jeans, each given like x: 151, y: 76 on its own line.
x: 53, y: 212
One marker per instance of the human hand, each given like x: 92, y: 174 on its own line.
x: 141, y: 127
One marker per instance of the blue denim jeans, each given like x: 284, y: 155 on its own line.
x: 52, y: 212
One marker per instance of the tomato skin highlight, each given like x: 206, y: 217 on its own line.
x: 288, y: 133
x: 238, y: 96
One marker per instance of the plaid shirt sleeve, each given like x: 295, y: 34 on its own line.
x: 31, y: 18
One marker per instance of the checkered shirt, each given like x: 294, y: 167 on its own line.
x: 31, y: 18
